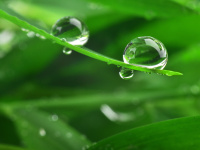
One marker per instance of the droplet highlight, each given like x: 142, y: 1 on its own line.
x: 72, y: 30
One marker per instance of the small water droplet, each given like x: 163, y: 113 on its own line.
x: 25, y: 30
x: 42, y: 37
x: 126, y: 73
x: 54, y: 117
x: 37, y: 35
x: 146, y: 52
x: 64, y: 40
x: 72, y: 30
x: 67, y: 51
x: 42, y: 132
x: 31, y: 34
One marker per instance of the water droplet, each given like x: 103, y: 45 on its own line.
x: 146, y: 52
x: 42, y: 37
x: 25, y: 30
x: 72, y: 30
x: 54, y: 117
x: 31, y: 34
x: 37, y: 35
x: 126, y: 73
x: 67, y: 51
x: 64, y: 40
x: 42, y: 132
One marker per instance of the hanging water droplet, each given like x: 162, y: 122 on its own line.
x: 42, y: 132
x: 126, y: 73
x: 72, y: 30
x: 146, y: 52
x: 67, y: 51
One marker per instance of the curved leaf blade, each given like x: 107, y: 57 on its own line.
x: 176, y: 134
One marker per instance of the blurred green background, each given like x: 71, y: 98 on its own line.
x: 101, y: 104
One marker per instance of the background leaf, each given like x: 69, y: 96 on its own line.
x: 45, y: 131
x: 163, y: 135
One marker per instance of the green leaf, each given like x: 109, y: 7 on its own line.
x: 8, y: 147
x: 176, y: 134
x: 153, y: 8
x: 84, y: 51
x: 40, y: 130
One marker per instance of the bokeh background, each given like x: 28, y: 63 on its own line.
x: 103, y: 104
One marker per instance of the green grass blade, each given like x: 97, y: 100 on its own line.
x: 38, y: 130
x: 176, y: 134
x: 84, y: 51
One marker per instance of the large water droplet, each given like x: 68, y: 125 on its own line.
x: 126, y: 73
x: 42, y: 132
x: 72, y: 30
x: 67, y: 51
x: 145, y: 52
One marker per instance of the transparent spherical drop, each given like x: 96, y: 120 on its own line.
x: 146, y: 52
x: 67, y: 51
x: 72, y: 30
x: 126, y: 73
